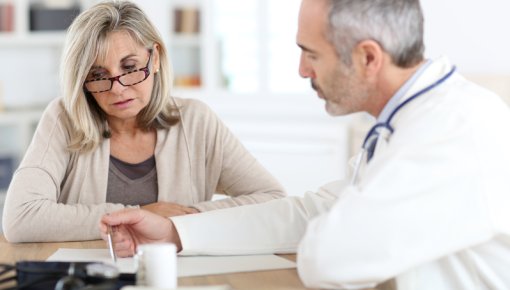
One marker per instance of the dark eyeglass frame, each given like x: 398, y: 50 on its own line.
x: 145, y: 69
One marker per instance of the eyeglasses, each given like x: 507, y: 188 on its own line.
x: 127, y: 79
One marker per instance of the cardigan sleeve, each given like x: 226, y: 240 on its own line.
x: 36, y: 209
x: 231, y: 169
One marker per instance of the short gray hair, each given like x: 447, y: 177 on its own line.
x: 397, y: 25
x: 85, y: 42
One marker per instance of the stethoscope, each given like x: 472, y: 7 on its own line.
x: 385, y: 130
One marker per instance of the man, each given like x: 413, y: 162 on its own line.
x: 428, y: 203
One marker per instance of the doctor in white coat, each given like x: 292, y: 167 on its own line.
x: 429, y: 202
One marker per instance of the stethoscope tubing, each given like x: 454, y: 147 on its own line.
x: 387, y: 124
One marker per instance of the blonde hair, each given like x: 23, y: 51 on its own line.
x: 85, y: 42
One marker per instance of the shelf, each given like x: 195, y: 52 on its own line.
x: 16, y: 116
x: 32, y: 39
x: 182, y: 39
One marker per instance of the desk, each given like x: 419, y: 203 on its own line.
x: 286, y: 279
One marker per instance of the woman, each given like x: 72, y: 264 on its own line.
x: 117, y: 139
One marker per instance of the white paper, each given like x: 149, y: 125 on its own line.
x: 125, y: 265
x: 186, y: 265
x: 209, y: 265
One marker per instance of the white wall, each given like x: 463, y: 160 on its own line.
x: 474, y: 34
x: 292, y: 136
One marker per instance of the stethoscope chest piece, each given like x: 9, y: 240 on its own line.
x: 385, y: 134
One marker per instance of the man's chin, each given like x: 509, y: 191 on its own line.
x: 334, y: 109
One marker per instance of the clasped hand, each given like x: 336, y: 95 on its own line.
x: 168, y: 209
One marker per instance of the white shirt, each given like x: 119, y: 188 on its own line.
x: 430, y: 209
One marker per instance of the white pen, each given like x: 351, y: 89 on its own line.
x: 110, y: 245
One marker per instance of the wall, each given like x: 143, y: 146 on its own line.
x: 473, y: 33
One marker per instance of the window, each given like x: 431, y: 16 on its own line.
x: 257, y: 49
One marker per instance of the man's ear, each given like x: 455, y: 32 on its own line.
x: 369, y: 57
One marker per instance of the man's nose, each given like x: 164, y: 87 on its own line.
x: 305, y: 70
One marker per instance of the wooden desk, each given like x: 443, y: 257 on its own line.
x: 286, y: 279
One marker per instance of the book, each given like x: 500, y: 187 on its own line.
x: 187, y: 20
x: 43, y: 18
x: 6, y: 17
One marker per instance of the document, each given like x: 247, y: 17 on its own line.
x: 187, y: 266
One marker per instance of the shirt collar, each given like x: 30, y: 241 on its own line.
x: 397, y: 97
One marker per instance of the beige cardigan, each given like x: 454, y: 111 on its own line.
x: 56, y: 195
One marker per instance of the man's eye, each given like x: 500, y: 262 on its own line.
x: 311, y: 56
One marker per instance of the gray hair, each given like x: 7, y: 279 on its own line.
x: 397, y: 25
x: 86, y: 41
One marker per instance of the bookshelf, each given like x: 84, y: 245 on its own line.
x: 185, y: 44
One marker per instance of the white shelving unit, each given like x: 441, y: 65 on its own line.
x: 186, y: 47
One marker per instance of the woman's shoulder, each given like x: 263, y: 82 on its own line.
x: 55, y: 106
x: 54, y: 112
x: 186, y: 105
x: 195, y: 114
x: 193, y: 110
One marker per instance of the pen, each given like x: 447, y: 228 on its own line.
x: 110, y: 244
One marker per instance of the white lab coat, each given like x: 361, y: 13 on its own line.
x: 432, y: 208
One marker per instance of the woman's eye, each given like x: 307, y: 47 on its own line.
x: 129, y: 67
x: 97, y: 75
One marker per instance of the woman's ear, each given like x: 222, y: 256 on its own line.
x: 155, y: 58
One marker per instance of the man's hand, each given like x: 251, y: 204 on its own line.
x: 133, y: 227
x: 168, y: 209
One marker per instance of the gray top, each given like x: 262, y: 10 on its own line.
x: 132, y: 184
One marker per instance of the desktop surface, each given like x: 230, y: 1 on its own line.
x: 285, y: 279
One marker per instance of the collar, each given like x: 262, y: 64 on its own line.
x: 397, y: 98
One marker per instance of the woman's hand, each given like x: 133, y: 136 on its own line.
x: 168, y: 209
x: 133, y: 227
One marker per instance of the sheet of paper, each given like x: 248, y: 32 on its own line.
x: 125, y: 265
x: 186, y: 265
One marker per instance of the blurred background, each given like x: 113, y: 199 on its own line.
x: 240, y: 58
